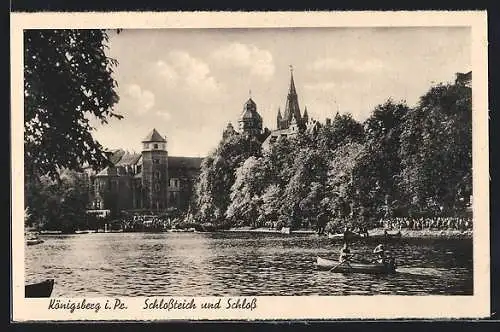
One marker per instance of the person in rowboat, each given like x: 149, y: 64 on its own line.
x: 379, y: 251
x: 345, y: 253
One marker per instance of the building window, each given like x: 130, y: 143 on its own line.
x: 146, y: 146
x: 174, y: 183
x: 157, y: 174
x: 157, y: 187
x: 155, y: 146
x: 156, y: 161
x: 139, y: 168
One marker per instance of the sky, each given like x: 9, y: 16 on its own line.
x: 189, y: 83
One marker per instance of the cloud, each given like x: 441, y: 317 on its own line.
x: 164, y: 115
x: 166, y: 71
x: 359, y: 66
x: 258, y: 61
x: 137, y: 99
x: 187, y: 72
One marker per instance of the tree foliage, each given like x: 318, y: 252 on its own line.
x: 59, y: 204
x: 398, y: 162
x: 217, y: 176
x: 67, y: 80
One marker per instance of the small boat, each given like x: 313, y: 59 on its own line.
x: 50, y: 232
x: 351, y: 267
x: 285, y: 230
x: 350, y: 236
x: 396, y: 235
x: 32, y: 242
x: 82, y: 232
x: 41, y: 289
x: 387, y: 236
x: 32, y: 239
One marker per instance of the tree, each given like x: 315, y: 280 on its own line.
x: 436, y: 150
x: 377, y: 172
x: 67, y: 80
x: 271, y: 202
x: 304, y: 192
x: 217, y: 176
x: 341, y: 184
x: 59, y: 204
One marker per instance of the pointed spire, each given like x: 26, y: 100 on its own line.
x: 292, y: 90
x: 279, y: 113
x: 305, y: 117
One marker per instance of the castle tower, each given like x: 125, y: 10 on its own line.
x: 154, y: 171
x: 250, y: 121
x: 292, y: 103
x: 229, y: 131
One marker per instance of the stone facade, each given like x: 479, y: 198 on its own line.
x: 150, y: 181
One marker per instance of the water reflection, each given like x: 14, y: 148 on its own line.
x: 224, y: 264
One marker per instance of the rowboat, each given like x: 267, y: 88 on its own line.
x: 351, y: 267
x: 32, y: 239
x: 41, y: 289
x: 32, y: 242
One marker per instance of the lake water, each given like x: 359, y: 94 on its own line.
x: 237, y: 264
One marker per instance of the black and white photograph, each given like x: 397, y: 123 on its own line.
x: 246, y: 162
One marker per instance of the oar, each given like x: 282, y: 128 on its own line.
x: 336, y: 266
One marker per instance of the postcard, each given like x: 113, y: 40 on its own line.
x: 249, y: 166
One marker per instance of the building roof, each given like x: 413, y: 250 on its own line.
x: 115, y: 155
x: 128, y: 159
x: 184, y: 162
x: 154, y: 136
x: 250, y: 111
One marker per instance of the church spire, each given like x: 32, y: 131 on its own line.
x: 305, y: 117
x: 292, y: 104
x: 292, y: 83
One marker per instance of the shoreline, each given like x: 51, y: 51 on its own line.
x: 376, y: 232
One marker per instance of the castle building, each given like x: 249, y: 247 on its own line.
x: 151, y: 180
x: 250, y: 122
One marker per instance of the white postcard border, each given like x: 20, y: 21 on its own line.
x: 278, y: 307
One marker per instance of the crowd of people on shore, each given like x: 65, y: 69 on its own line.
x: 432, y: 223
